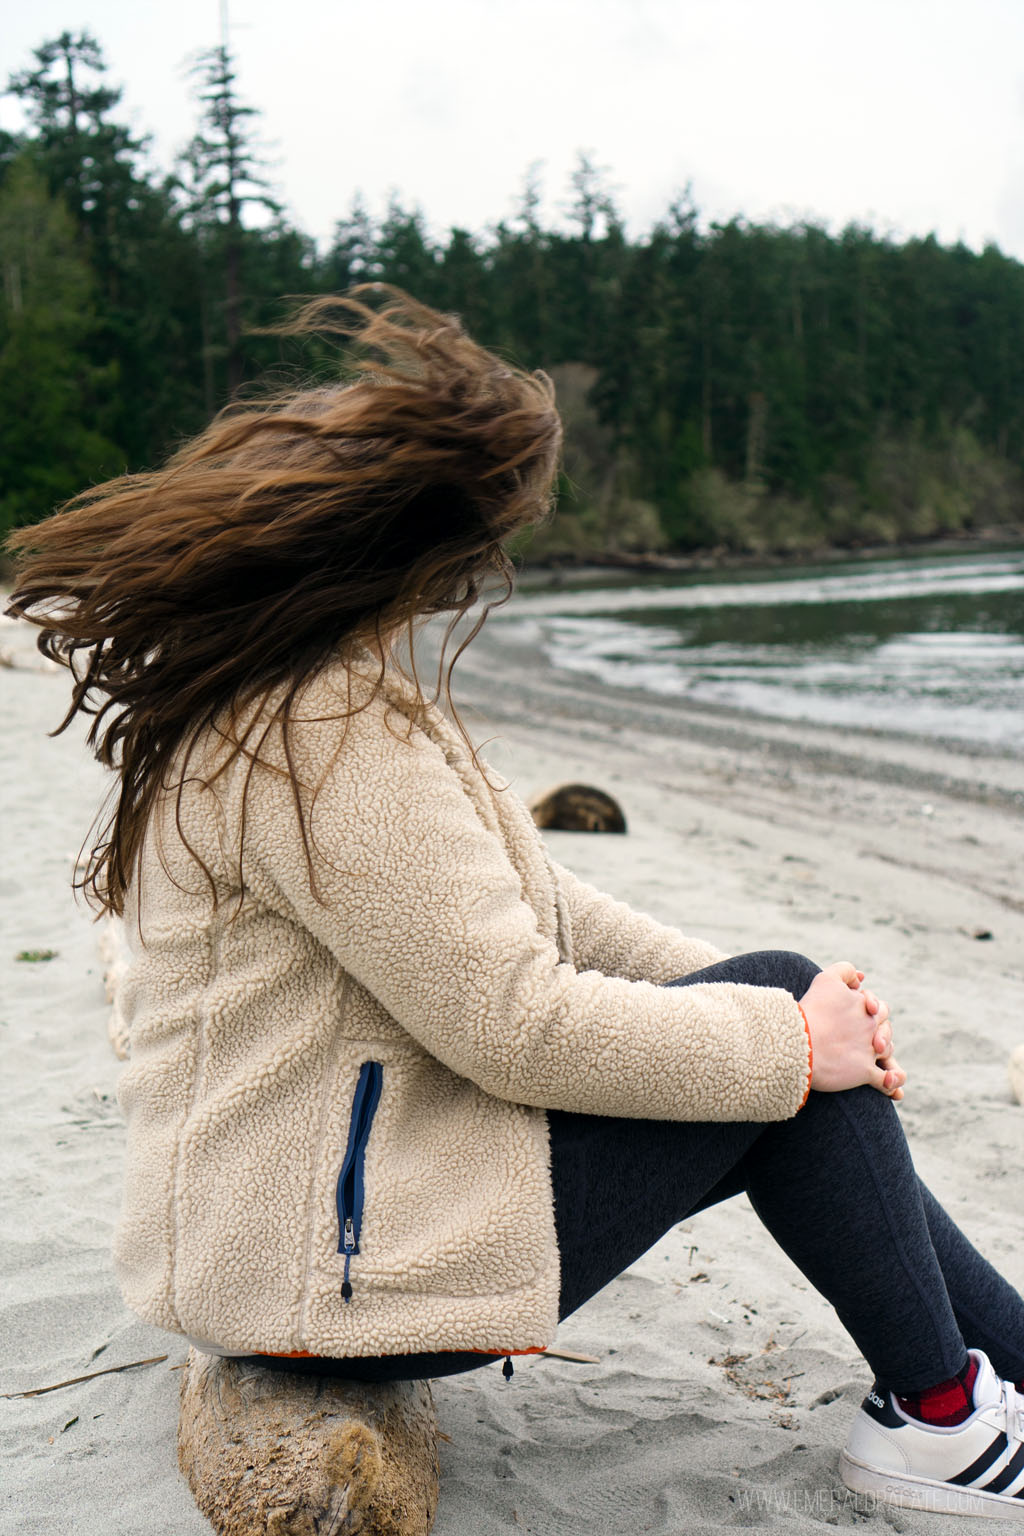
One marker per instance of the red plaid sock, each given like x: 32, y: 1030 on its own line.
x: 948, y: 1403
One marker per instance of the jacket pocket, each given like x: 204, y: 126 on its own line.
x: 350, y: 1180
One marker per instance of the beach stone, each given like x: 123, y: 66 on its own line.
x: 277, y: 1453
x: 577, y: 808
x: 1016, y: 1071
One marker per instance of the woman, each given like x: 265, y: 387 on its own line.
x: 402, y: 1091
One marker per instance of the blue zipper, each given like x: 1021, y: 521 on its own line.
x: 350, y: 1179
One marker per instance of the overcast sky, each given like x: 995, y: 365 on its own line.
x: 905, y: 114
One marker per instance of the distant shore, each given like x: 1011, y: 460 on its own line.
x: 539, y: 571
x: 561, y: 566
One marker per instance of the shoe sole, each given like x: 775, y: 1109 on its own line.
x: 923, y: 1493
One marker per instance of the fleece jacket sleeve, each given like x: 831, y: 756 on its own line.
x: 418, y: 900
x: 609, y: 936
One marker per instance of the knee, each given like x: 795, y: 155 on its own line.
x: 762, y: 968
x: 785, y: 968
x: 870, y: 1115
x: 799, y: 971
x: 852, y: 1124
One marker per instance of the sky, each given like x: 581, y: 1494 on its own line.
x: 907, y: 115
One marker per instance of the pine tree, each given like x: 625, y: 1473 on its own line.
x: 68, y: 105
x: 224, y: 174
x: 49, y: 385
x: 128, y: 233
x: 353, y: 254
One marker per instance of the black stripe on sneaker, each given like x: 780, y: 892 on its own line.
x: 983, y: 1462
x: 879, y: 1406
x: 1004, y: 1478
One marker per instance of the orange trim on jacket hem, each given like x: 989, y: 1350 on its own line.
x: 810, y: 1057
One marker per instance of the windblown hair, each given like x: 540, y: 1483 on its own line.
x: 308, y: 526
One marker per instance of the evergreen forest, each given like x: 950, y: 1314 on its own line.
x: 725, y: 386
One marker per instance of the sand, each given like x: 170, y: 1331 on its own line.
x: 725, y: 1385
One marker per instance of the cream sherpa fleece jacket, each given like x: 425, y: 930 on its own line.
x: 346, y: 1089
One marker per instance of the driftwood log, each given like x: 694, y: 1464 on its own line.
x: 577, y: 808
x: 274, y: 1453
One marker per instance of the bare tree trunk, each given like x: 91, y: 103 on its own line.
x: 209, y: 399
x: 73, y: 105
x: 755, y: 437
x: 233, y: 306
x: 705, y: 402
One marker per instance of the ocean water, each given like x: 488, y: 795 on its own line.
x: 932, y: 646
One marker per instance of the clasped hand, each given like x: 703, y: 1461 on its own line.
x: 851, y: 1035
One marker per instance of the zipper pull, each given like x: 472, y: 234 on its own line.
x: 507, y: 1368
x: 350, y: 1243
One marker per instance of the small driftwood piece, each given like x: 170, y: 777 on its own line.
x: 570, y: 1354
x: 1016, y: 1071
x: 274, y: 1453
x: 73, y: 1381
x: 577, y: 808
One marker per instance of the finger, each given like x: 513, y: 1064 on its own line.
x: 893, y: 1072
x: 888, y: 1079
x: 870, y: 1000
x: 881, y: 1040
x: 848, y: 973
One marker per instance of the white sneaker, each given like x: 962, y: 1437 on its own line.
x: 973, y: 1468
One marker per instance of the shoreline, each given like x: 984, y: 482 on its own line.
x: 532, y: 688
x: 561, y: 569
x: 558, y: 569
x: 725, y: 1384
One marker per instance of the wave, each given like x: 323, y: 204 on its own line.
x: 932, y: 664
x: 854, y: 583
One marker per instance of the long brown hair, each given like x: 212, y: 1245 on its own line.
x: 308, y: 525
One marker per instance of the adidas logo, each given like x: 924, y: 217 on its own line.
x: 873, y: 1397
